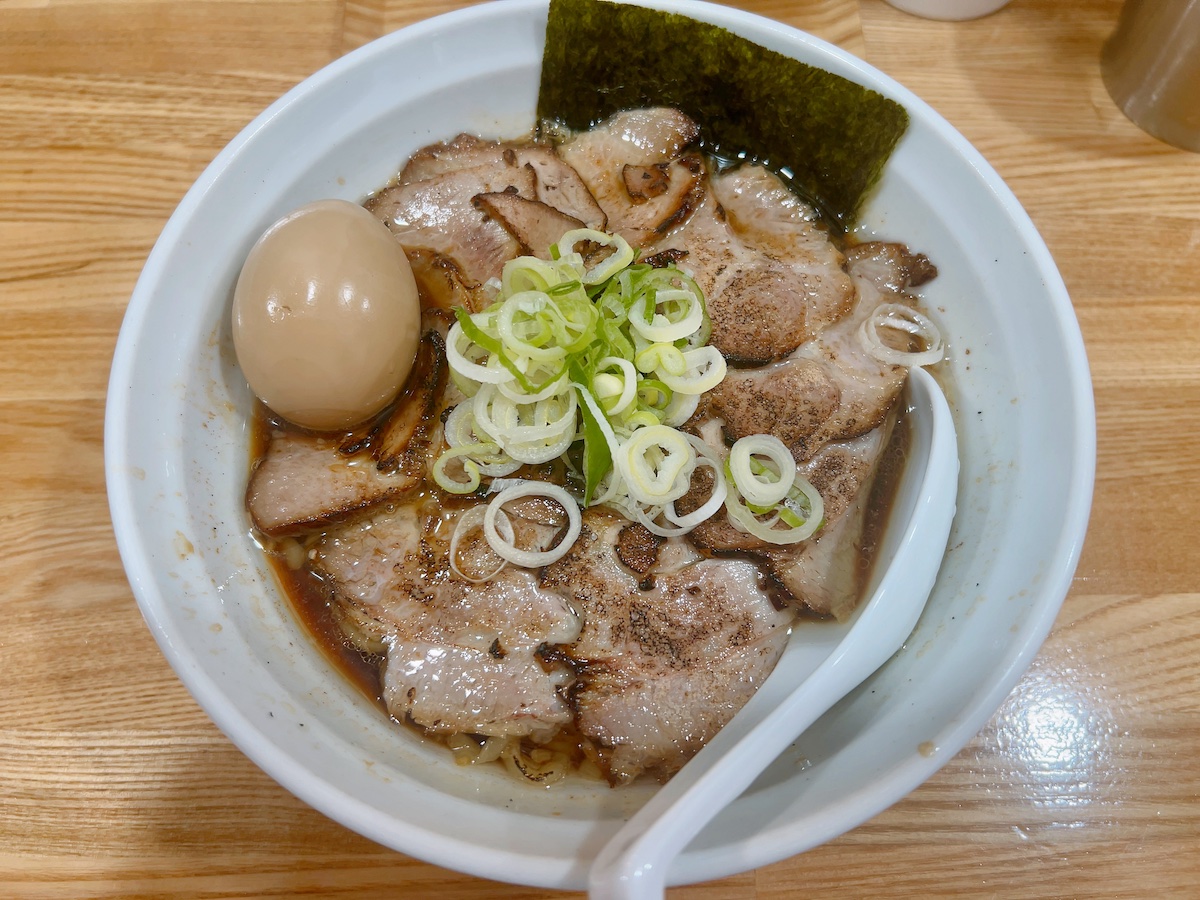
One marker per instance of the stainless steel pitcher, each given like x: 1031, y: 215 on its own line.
x: 1151, y: 67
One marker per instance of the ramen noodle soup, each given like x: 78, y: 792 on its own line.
x: 648, y: 416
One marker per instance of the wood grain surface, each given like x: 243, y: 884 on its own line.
x: 113, y: 783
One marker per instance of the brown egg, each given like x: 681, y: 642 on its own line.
x: 326, y: 318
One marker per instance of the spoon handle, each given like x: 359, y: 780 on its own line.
x: 633, y: 865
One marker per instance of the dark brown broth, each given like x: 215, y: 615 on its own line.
x: 312, y: 601
x: 880, y: 500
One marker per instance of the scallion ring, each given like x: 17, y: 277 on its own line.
x: 773, y: 484
x: 473, y: 518
x: 506, y: 548
x: 899, y: 317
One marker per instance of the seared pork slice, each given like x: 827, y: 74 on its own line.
x: 556, y: 183
x: 830, y: 388
x: 437, y: 214
x: 840, y: 471
x: 665, y: 657
x: 769, y: 281
x: 890, y: 266
x: 717, y: 533
x: 452, y: 689
x: 561, y: 187
x: 823, y: 574
x: 399, y: 440
x: 820, y: 573
x: 843, y: 469
x: 772, y: 219
x: 789, y: 399
x: 535, y: 225
x: 621, y: 150
x: 465, y: 151
x: 305, y: 481
x: 442, y: 283
x: 867, y: 388
x: 460, y: 656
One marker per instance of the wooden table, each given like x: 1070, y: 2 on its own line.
x: 114, y: 784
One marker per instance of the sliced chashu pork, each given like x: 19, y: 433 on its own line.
x: 666, y: 656
x: 839, y: 471
x: 536, y: 226
x: 432, y: 207
x: 460, y: 656
x: 437, y: 214
x: 834, y: 405
x: 555, y: 182
x: 305, y: 480
x: 830, y: 388
x: 771, y: 278
x: 636, y: 167
x: 823, y: 573
x: 867, y: 388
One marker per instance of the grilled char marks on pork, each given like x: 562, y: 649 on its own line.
x: 771, y: 277
x: 555, y: 183
x: 665, y: 657
x: 830, y: 388
x: 889, y: 266
x: 400, y: 441
x: 535, y: 225
x: 460, y: 656
x: 432, y: 206
x: 790, y: 400
x: 637, y: 547
x: 636, y: 167
x: 868, y: 389
x: 437, y: 214
x: 304, y: 481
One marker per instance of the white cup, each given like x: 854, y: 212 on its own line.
x: 955, y: 10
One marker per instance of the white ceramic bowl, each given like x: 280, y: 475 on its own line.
x: 176, y: 461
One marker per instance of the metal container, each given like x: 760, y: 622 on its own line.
x: 1151, y: 67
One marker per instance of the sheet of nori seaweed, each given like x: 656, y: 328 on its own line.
x: 833, y: 135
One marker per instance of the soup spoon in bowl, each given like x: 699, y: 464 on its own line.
x: 819, y: 666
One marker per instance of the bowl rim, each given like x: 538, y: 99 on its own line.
x: 775, y: 843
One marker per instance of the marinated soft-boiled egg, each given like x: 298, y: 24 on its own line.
x: 326, y: 318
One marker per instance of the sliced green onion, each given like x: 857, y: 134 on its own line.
x: 446, y: 483
x: 657, y: 464
x: 473, y: 518
x: 762, y: 486
x: 705, y: 369
x: 802, y: 513
x: 898, y: 317
x: 621, y: 256
x: 505, y: 545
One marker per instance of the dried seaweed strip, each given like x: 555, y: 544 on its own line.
x: 833, y: 136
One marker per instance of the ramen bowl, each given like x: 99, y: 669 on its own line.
x: 177, y: 459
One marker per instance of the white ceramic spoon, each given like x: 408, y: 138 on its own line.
x: 820, y: 666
